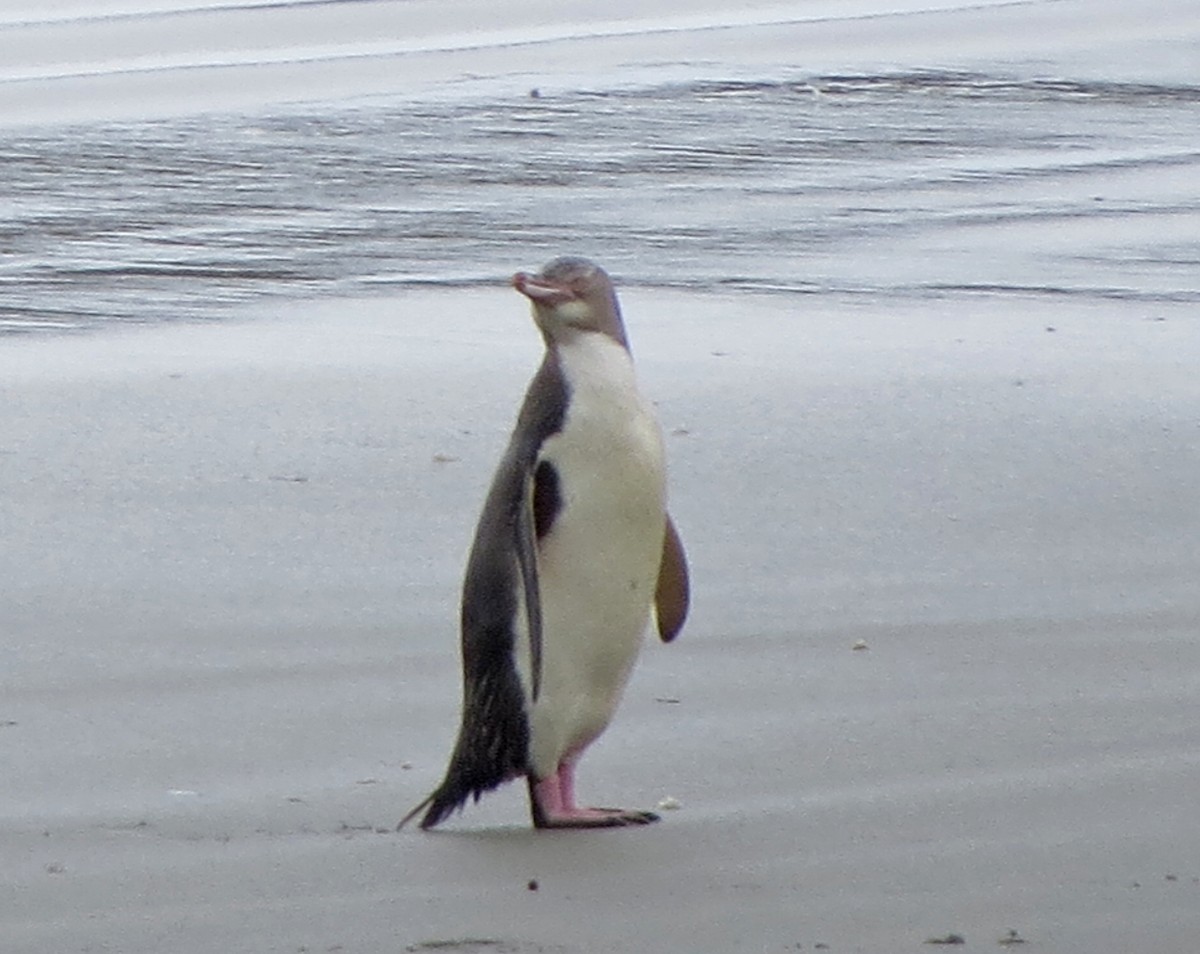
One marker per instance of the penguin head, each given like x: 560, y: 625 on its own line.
x: 570, y: 297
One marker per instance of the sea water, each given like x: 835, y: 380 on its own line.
x: 877, y: 185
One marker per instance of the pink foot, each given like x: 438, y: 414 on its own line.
x: 553, y: 802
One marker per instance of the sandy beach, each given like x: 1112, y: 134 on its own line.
x: 913, y: 285
x: 230, y: 573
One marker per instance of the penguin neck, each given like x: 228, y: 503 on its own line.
x: 593, y: 363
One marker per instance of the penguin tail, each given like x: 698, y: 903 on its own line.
x: 450, y: 797
x: 492, y: 746
x: 446, y: 799
x: 417, y: 811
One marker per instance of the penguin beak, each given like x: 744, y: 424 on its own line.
x: 541, y: 292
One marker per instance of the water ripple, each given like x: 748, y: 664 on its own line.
x: 905, y: 184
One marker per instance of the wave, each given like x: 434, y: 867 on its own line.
x: 944, y: 82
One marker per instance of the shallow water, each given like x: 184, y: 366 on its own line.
x: 928, y: 183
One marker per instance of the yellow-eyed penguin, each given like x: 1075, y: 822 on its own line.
x: 572, y: 550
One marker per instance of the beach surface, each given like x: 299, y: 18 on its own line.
x: 939, y: 679
x: 913, y: 285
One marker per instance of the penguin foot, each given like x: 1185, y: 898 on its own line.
x: 594, y: 818
x: 552, y: 801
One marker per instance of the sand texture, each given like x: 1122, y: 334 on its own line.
x: 230, y: 569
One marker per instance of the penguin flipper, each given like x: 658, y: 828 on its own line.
x: 526, y: 549
x: 672, y: 594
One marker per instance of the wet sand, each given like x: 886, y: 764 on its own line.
x: 230, y: 570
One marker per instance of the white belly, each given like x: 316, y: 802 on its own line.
x: 598, y: 565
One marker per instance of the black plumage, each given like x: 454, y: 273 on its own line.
x: 493, y: 740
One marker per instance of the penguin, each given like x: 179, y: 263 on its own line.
x: 573, y: 552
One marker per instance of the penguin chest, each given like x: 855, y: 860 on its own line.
x: 598, y: 560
